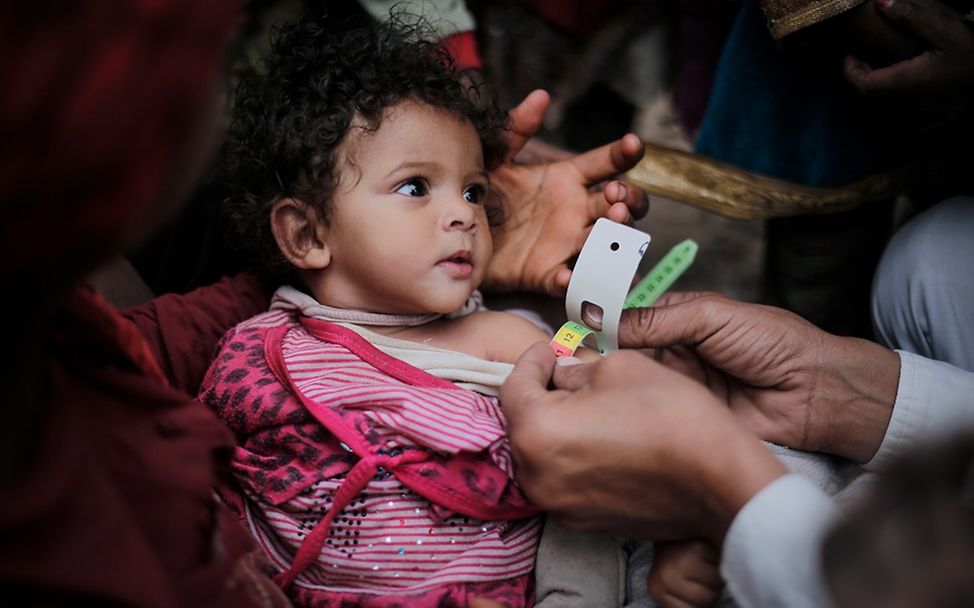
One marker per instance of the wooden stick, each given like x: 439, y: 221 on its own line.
x: 737, y: 194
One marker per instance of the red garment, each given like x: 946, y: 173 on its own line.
x: 114, y: 501
x: 182, y: 331
x: 462, y: 46
x: 99, y: 100
x: 119, y: 506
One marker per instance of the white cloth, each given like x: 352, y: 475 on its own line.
x: 446, y: 17
x: 466, y: 371
x: 934, y: 402
x: 772, y: 553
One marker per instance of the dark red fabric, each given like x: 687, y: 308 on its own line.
x: 183, y: 330
x: 114, y: 503
x: 462, y: 46
x: 119, y: 505
x: 98, y: 101
x: 97, y: 329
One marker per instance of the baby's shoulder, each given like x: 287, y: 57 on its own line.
x: 499, y: 320
x: 505, y: 335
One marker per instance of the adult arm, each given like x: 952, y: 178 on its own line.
x: 793, y: 384
x: 933, y: 404
x: 183, y: 330
x: 788, y: 381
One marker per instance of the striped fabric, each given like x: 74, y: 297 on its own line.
x: 390, y: 543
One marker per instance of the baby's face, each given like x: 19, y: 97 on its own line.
x: 408, y: 230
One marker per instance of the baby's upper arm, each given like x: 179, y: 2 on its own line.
x: 507, y: 335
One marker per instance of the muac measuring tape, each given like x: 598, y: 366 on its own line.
x: 611, y: 280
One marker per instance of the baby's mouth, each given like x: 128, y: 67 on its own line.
x: 459, y: 265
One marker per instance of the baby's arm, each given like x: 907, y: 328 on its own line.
x: 505, y: 336
x: 685, y: 574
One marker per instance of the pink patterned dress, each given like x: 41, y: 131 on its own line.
x: 368, y: 481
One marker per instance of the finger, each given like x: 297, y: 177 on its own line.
x: 675, y: 297
x: 525, y: 120
x: 555, y: 281
x: 633, y: 197
x: 558, y: 286
x: 672, y: 600
x: 707, y: 570
x: 573, y: 377
x: 896, y: 78
x: 528, y: 381
x: 707, y: 578
x: 691, y: 593
x: 933, y: 22
x: 619, y: 214
x: 686, y: 322
x: 672, y: 592
x: 599, y: 207
x: 609, y: 160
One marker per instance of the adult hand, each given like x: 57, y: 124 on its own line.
x: 862, y: 31
x: 935, y: 87
x: 788, y: 381
x: 548, y: 209
x: 628, y: 446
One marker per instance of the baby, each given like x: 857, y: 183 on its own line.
x: 372, y: 465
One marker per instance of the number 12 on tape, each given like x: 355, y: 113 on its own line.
x: 569, y: 338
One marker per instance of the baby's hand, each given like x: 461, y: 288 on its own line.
x: 547, y: 210
x: 685, y: 574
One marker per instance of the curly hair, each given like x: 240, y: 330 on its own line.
x: 290, y: 118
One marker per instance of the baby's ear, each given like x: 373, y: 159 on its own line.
x: 299, y: 233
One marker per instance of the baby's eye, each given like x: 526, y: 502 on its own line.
x: 475, y: 194
x: 413, y: 187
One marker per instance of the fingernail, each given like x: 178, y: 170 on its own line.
x: 566, y: 361
x: 623, y: 191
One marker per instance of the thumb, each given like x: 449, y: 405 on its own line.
x: 528, y: 381
x: 526, y: 119
x: 930, y: 20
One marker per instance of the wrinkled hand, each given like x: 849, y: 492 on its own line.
x: 934, y: 88
x: 627, y: 446
x: 685, y: 574
x: 864, y: 32
x: 548, y: 209
x: 788, y: 381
